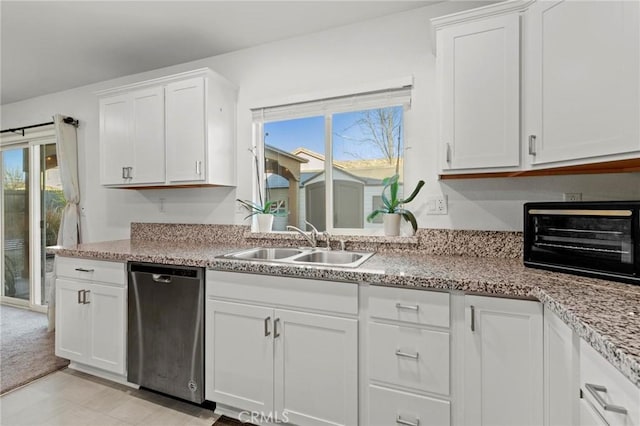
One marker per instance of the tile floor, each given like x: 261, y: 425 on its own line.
x: 68, y: 398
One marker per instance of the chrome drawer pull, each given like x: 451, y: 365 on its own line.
x: 473, y: 318
x: 407, y: 355
x: 266, y: 326
x: 594, y: 391
x: 84, y: 297
x: 401, y: 421
x: 411, y: 307
x: 275, y: 328
x: 80, y: 296
x: 84, y: 270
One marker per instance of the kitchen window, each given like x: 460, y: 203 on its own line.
x: 325, y: 160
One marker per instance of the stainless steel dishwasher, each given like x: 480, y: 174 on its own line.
x: 165, y: 348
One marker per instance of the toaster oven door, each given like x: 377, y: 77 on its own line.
x: 595, y: 240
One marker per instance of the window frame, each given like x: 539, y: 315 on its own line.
x: 327, y: 107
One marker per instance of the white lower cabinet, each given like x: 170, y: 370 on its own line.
x: 502, y: 362
x: 282, y: 363
x: 408, y: 356
x: 91, y: 314
x: 606, y: 396
x: 561, y: 364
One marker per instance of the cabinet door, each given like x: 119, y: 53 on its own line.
x: 560, y: 378
x: 71, y: 320
x: 106, y: 323
x: 148, y: 156
x: 115, y: 139
x: 316, y: 368
x: 582, y: 73
x: 502, y: 362
x: 239, y: 355
x: 589, y: 416
x: 186, y: 130
x: 479, y: 64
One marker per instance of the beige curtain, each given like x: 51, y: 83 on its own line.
x: 69, y: 232
x: 67, y: 151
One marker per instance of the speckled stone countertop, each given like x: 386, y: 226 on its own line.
x: 604, y: 313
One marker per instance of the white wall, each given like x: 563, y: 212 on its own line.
x: 328, y: 62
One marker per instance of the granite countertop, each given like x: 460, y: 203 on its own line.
x: 604, y: 313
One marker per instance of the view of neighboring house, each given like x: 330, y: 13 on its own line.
x: 297, y: 181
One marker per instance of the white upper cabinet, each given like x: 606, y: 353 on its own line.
x: 176, y: 130
x: 186, y: 130
x: 132, y: 138
x: 568, y: 70
x: 582, y: 84
x: 479, y: 68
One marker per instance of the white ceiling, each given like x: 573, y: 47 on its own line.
x: 50, y: 46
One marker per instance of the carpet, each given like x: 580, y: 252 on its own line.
x: 26, y: 348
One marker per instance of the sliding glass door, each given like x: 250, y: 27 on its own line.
x: 32, y: 203
x: 52, y: 203
x: 15, y: 224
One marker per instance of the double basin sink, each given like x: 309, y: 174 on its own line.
x: 303, y: 256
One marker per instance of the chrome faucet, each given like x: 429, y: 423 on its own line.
x: 311, y: 237
x: 327, y: 238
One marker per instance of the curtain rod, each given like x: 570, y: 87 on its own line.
x: 68, y: 120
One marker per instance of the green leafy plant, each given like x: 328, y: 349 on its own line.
x: 255, y: 208
x: 392, y: 204
x: 261, y: 207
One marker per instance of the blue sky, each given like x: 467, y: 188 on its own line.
x: 12, y: 159
x: 309, y: 133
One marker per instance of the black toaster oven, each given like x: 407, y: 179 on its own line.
x: 598, y: 239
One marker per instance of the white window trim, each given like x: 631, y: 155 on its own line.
x: 392, y: 96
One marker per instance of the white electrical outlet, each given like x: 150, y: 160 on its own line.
x: 437, y: 205
x: 161, y: 205
x: 572, y: 196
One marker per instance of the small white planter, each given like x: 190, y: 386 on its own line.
x: 391, y: 224
x: 265, y: 222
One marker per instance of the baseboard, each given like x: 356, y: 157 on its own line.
x: 102, y: 374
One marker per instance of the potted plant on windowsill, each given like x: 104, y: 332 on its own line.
x: 261, y: 209
x: 392, y: 209
x: 262, y: 213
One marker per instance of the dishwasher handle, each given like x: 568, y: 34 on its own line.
x: 161, y: 278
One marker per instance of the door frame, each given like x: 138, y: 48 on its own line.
x: 32, y: 141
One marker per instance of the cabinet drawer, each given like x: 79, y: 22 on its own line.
x: 272, y: 290
x: 596, y: 370
x: 393, y: 407
x: 411, y: 357
x: 92, y: 270
x: 412, y: 306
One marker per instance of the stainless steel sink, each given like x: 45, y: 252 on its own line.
x: 310, y: 256
x: 260, y: 253
x: 333, y: 258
